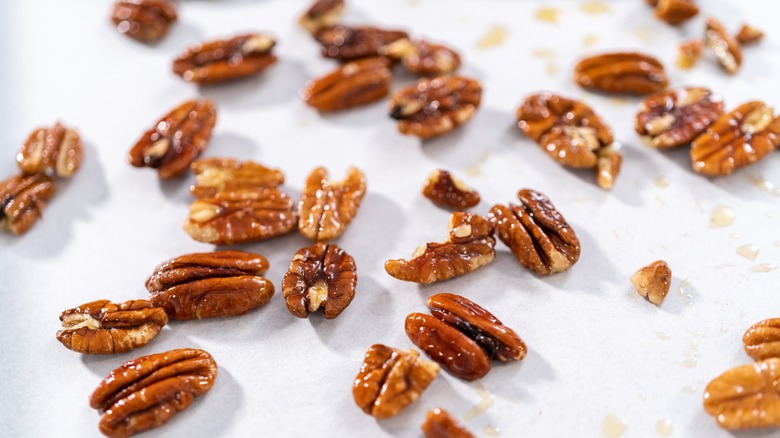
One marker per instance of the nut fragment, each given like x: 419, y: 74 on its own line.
x: 347, y: 43
x: 57, y: 150
x: 653, y: 281
x: 22, y: 199
x: 320, y: 276
x: 144, y: 20
x: 676, y: 117
x: 470, y: 246
x: 688, y: 53
x: 746, y: 397
x: 749, y: 35
x: 446, y: 191
x: 226, y: 60
x: 327, y: 207
x: 629, y: 72
x: 423, y: 58
x: 102, y: 327
x: 145, y: 393
x: 725, y: 47
x: 390, y: 379
x: 214, y: 175
x: 762, y: 339
x: 433, y: 107
x: 440, y: 424
x: 676, y: 12
x: 353, y: 84
x: 322, y: 13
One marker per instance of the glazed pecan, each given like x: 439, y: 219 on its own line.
x: 446, y: 191
x: 676, y: 117
x: 726, y: 48
x: 225, y: 60
x: 57, y: 150
x: 653, y: 281
x: 470, y: 246
x: 629, y: 72
x: 676, y: 12
x: 320, y: 276
x: 749, y: 35
x: 762, y: 339
x: 210, y: 285
x: 144, y: 20
x: 440, y: 424
x: 214, y: 175
x: 347, y: 43
x: 353, y: 84
x: 390, y: 379
x: 22, y: 199
x: 736, y: 139
x: 423, y: 58
x: 241, y: 216
x: 322, y: 13
x: 537, y: 233
x: 145, y: 393
x: 433, y: 107
x: 177, y: 139
x: 608, y: 167
x: 102, y: 327
x: 746, y: 397
x: 327, y: 207
x: 688, y: 53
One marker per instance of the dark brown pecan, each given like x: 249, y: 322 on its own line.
x: 320, y: 276
x: 177, y: 139
x: 322, y: 13
x: 390, y: 379
x: 423, y: 58
x: 676, y: 117
x: 622, y: 72
x: 210, y: 285
x: 353, y: 84
x: 347, y: 43
x: 57, y: 150
x: 144, y: 20
x: 214, y: 175
x: 749, y: 35
x: 22, y: 199
x: 327, y: 207
x: 653, y: 281
x: 762, y: 339
x: 440, y: 424
x: 226, y: 60
x: 470, y: 246
x: 433, y: 107
x: 746, y: 397
x: 688, y: 53
x: 102, y: 327
x: 145, y: 393
x: 737, y: 139
x: 726, y: 48
x: 676, y: 12
x: 537, y: 233
x: 446, y: 191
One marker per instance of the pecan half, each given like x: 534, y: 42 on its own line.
x: 676, y: 117
x: 622, y: 72
x: 688, y: 53
x: 391, y: 379
x: 676, y: 12
x: 446, y: 191
x: 726, y: 48
x: 144, y: 20
x: 145, y: 393
x: 423, y: 58
x: 22, y: 199
x: 433, y: 107
x: 57, y: 150
x: 210, y: 285
x: 353, y: 84
x: 177, y: 139
x: 440, y: 424
x: 321, y: 13
x: 225, y: 60
x: 749, y: 35
x: 214, y: 175
x: 737, y: 139
x: 320, y: 276
x: 653, y: 281
x: 469, y: 247
x: 762, y: 339
x: 347, y: 43
x: 327, y: 207
x: 746, y: 397
x: 102, y: 327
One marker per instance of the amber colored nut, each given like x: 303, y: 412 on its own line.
x: 390, y: 379
x: 353, y: 84
x: 423, y: 58
x: 434, y: 107
x: 145, y: 393
x: 226, y: 60
x: 57, y: 150
x: 444, y: 190
x: 147, y: 21
x: 749, y: 35
x: 322, y: 276
x: 762, y: 339
x: 676, y: 117
x: 746, y: 397
x: 203, y: 265
x: 214, y: 175
x: 621, y: 73
x: 737, y: 139
x: 726, y: 48
x: 608, y: 167
x: 440, y: 424
x: 327, y: 207
x: 688, y: 53
x: 676, y: 12
x: 321, y: 13
x: 347, y: 43
x: 22, y: 200
x: 653, y: 281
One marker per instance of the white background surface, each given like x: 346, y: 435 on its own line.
x: 595, y: 347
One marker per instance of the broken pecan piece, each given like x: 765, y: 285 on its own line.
x: 762, y: 339
x: 145, y: 393
x: 746, y: 397
x: 676, y: 117
x: 688, y: 53
x: 347, y: 43
x: 144, y: 20
x: 629, y: 72
x: 446, y: 191
x: 321, y: 13
x: 214, y: 175
x: 226, y: 60
x: 749, y: 35
x: 327, y: 207
x: 57, y: 150
x: 22, y: 199
x: 676, y: 12
x: 423, y: 58
x: 726, y: 48
x: 102, y: 327
x: 440, y: 424
x: 653, y: 281
x: 353, y: 84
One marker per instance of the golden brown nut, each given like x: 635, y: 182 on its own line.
x: 144, y: 20
x: 621, y: 72
x: 440, y: 424
x: 676, y: 12
x: 746, y: 397
x: 226, y: 60
x: 653, y: 281
x: 214, y: 175
x: 688, y: 53
x: 749, y: 35
x: 327, y: 207
x: 57, y: 150
x: 347, y: 43
x: 608, y: 167
x: 22, y: 200
x: 762, y: 339
x: 423, y: 58
x: 353, y: 84
x: 444, y: 190
x: 726, y: 48
x: 676, y: 117
x: 321, y: 13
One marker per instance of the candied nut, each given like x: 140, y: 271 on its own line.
x: 347, y: 43
x: 390, y: 379
x: 446, y: 191
x: 22, y: 199
x: 322, y: 13
x: 433, y: 107
x: 56, y: 150
x: 327, y: 207
x: 470, y: 246
x: 353, y: 84
x: 725, y: 47
x: 736, y: 139
x: 102, y: 327
x: 423, y: 58
x: 144, y: 20
x: 762, y: 339
x: 440, y: 424
x: 629, y: 72
x: 746, y: 397
x: 225, y: 60
x: 214, y: 175
x: 676, y: 12
x: 688, y: 53
x: 320, y: 276
x: 676, y: 117
x: 653, y: 281
x: 145, y: 393
x: 749, y: 35
x: 177, y: 139
x: 608, y: 167
x: 210, y: 285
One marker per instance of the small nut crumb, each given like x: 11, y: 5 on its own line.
x: 749, y: 35
x: 688, y: 53
x: 653, y: 281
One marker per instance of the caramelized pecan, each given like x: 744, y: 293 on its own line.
x: 629, y: 72
x: 746, y: 397
x: 225, y: 60
x: 440, y: 424
x: 144, y: 20
x: 353, y: 84
x: 22, y: 199
x: 726, y: 48
x: 57, y: 150
x: 688, y: 53
x: 608, y: 167
x: 749, y: 35
x: 423, y: 58
x: 214, y: 175
x: 446, y: 191
x: 347, y: 43
x: 321, y: 13
x: 653, y: 281
x: 676, y: 117
x: 327, y: 207
x: 762, y: 339
x: 676, y: 12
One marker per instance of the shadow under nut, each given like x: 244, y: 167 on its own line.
x: 214, y: 297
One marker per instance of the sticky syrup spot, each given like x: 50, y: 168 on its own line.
x: 644, y: 33
x: 663, y: 336
x: 594, y: 8
x: 494, y: 37
x: 485, y: 402
x: 724, y: 330
x: 548, y: 14
x: 618, y: 101
x: 764, y: 267
x: 749, y: 252
x: 642, y: 397
x: 722, y: 216
x: 590, y: 40
x: 476, y: 168
x: 776, y: 244
x: 763, y: 185
x: 663, y: 427
x: 690, y: 388
x: 613, y: 427
x: 491, y: 431
x: 681, y: 289
x: 662, y: 182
